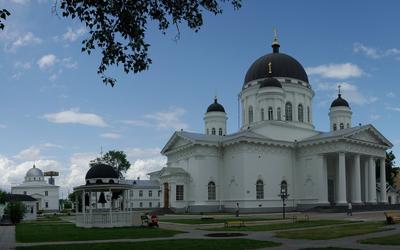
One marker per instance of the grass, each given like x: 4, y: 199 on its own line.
x: 183, y: 244
x: 393, y: 239
x: 334, y: 232
x: 328, y: 248
x: 271, y: 227
x: 42, y: 232
x: 213, y: 221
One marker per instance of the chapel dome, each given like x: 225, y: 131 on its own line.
x: 275, y: 65
x: 215, y: 107
x: 100, y: 171
x: 270, y: 82
x: 34, y: 172
x: 340, y: 102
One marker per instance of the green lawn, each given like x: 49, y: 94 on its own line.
x: 334, y: 232
x: 218, y: 220
x: 328, y: 248
x: 194, y: 244
x: 393, y: 239
x: 271, y: 227
x: 41, y: 232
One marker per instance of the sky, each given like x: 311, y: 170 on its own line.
x: 55, y: 111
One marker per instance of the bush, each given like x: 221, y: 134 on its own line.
x: 16, y: 211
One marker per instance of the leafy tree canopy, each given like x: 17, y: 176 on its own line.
x: 116, y: 159
x: 2, y: 197
x: 3, y: 15
x: 118, y: 27
x: 15, y: 210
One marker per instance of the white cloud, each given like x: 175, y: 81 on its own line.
x: 79, y: 165
x: 397, y: 109
x: 391, y: 95
x: 375, y: 53
x: 349, y: 91
x: 47, y: 61
x: 69, y: 63
x: 21, y: 41
x: 111, y: 135
x: 3, y: 125
x: 336, y: 71
x: 72, y: 35
x: 144, y: 161
x: 21, y: 1
x: 22, y: 65
x: 171, y: 119
x: 51, y: 145
x: 76, y: 117
x: 374, y: 117
x: 31, y: 153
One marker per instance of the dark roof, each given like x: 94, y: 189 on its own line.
x: 282, y: 65
x: 101, y: 170
x: 270, y: 82
x: 339, y: 101
x: 18, y: 197
x: 215, y: 107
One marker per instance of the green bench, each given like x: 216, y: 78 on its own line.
x: 234, y: 223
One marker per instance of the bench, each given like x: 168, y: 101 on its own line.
x: 392, y: 216
x: 234, y: 223
x: 300, y: 218
x: 145, y: 220
x: 207, y: 218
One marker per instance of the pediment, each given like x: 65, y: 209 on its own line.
x: 176, y: 142
x: 369, y: 136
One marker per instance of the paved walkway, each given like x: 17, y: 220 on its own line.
x: 194, y: 233
x: 7, y: 237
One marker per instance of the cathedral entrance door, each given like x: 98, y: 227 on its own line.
x: 166, y: 195
x: 331, y: 191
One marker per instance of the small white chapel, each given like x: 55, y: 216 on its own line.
x: 277, y: 146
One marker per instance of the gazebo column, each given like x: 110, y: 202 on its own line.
x: 90, y: 208
x: 110, y: 205
x: 83, y: 207
x: 342, y: 179
x: 366, y: 180
x: 383, y: 180
x: 76, y: 203
x: 356, y: 181
x: 372, y: 181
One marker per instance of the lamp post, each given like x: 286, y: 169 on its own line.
x: 284, y: 195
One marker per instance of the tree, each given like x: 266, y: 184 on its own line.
x: 15, y: 210
x: 2, y: 197
x: 3, y: 15
x: 116, y: 159
x: 118, y: 27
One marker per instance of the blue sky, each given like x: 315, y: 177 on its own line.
x: 56, y: 112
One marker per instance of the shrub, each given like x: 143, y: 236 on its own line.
x: 16, y: 211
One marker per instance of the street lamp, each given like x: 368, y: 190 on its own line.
x: 284, y: 195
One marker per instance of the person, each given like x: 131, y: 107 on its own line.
x: 349, y: 209
x: 237, y: 209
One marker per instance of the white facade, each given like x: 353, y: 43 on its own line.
x: 47, y: 195
x: 277, y: 143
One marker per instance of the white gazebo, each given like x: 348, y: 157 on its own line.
x: 103, y: 201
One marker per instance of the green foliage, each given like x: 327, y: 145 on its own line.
x: 118, y: 28
x: 3, y: 16
x: 16, y: 211
x: 116, y: 159
x: 2, y: 197
x: 393, y: 239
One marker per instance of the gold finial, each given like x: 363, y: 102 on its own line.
x: 339, y: 86
x: 270, y: 67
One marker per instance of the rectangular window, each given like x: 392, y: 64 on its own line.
x: 140, y: 193
x: 47, y: 204
x: 159, y: 193
x: 150, y: 193
x: 159, y: 204
x: 150, y: 204
x: 179, y: 192
x: 46, y: 193
x: 141, y: 204
x: 130, y: 193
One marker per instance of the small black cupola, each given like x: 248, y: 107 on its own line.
x: 339, y: 101
x: 215, y: 107
x: 275, y: 44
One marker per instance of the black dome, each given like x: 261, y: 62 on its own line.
x: 270, y: 82
x: 276, y: 65
x: 101, y: 170
x: 340, y: 102
x: 215, y: 107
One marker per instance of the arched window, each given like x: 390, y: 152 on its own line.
x: 334, y: 127
x: 111, y: 181
x: 208, y: 131
x: 270, y: 114
x: 288, y: 111
x: 341, y: 126
x: 220, y: 131
x: 308, y: 115
x: 99, y: 181
x: 348, y: 125
x: 278, y: 113
x: 250, y: 114
x: 211, y: 191
x: 300, y: 113
x: 140, y: 193
x: 213, y: 131
x: 259, y: 189
x: 284, y: 187
x: 262, y: 115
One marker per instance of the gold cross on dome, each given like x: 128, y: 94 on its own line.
x: 339, y: 86
x: 270, y: 67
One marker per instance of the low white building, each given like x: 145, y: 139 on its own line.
x: 28, y: 201
x: 35, y: 185
x: 277, y: 146
x: 144, y: 194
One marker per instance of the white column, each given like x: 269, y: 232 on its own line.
x: 356, y: 181
x: 324, y: 181
x: 83, y: 207
x: 342, y: 179
x: 366, y: 181
x: 372, y: 181
x: 383, y: 180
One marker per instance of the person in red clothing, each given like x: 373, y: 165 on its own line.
x: 153, y: 222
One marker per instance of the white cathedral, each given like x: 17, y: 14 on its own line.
x: 277, y: 146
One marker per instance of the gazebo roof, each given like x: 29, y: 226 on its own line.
x: 102, y: 187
